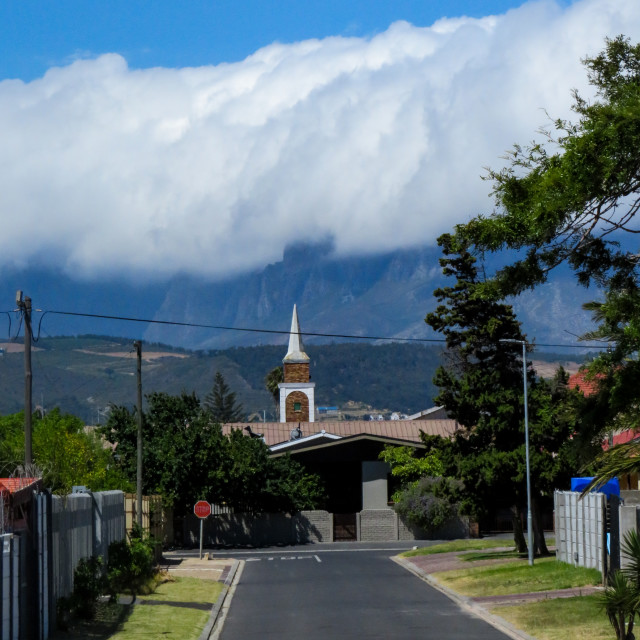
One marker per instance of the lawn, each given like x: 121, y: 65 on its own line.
x: 459, y: 545
x: 555, y: 619
x: 178, y: 618
x: 561, y: 619
x: 518, y: 577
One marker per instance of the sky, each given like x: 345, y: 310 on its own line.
x: 156, y: 138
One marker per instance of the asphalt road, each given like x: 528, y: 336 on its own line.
x: 320, y: 592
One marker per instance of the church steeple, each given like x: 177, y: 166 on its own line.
x: 296, y: 352
x: 296, y: 392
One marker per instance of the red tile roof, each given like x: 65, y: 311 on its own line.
x: 580, y: 382
x: 13, y: 485
x: 277, y: 432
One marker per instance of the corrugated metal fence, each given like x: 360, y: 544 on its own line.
x: 37, y: 565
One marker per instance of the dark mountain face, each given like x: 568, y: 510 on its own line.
x: 384, y: 295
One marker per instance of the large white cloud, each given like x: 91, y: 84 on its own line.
x: 377, y: 143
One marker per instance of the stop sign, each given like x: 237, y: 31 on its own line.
x: 202, y: 509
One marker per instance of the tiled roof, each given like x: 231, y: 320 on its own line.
x: 277, y: 432
x: 13, y: 485
x: 580, y: 382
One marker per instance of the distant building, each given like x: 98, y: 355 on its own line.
x: 296, y: 392
x: 345, y: 454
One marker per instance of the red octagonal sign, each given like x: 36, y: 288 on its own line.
x: 202, y: 509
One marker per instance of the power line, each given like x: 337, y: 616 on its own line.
x: 244, y: 329
x: 279, y: 332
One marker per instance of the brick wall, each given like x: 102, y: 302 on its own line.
x: 314, y: 526
x: 290, y: 402
x: 378, y: 525
x: 296, y: 372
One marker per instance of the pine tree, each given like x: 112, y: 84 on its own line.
x: 481, y: 387
x: 221, y: 402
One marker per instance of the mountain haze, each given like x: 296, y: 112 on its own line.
x: 385, y: 295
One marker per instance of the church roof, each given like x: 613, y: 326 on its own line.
x: 278, y: 432
x: 296, y: 350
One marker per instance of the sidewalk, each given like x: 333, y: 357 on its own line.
x: 425, y: 566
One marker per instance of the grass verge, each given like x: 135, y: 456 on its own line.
x: 518, y: 577
x: 178, y: 618
x: 561, y: 619
x: 458, y: 545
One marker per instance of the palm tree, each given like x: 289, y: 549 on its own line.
x: 621, y: 597
x: 271, y: 381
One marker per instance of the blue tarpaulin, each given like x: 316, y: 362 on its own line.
x: 611, y: 488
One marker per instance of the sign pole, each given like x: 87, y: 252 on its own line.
x: 202, y: 510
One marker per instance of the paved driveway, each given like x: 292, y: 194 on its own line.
x: 347, y: 591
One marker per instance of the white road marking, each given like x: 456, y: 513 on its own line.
x: 318, y: 559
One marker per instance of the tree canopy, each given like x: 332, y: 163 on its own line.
x: 187, y: 458
x: 572, y: 197
x: 64, y: 452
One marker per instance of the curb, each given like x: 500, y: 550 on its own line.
x: 464, y: 602
x: 217, y: 607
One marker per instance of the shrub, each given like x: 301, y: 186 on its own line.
x: 429, y: 503
x: 88, y: 585
x: 131, y: 564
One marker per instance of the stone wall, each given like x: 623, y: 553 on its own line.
x: 268, y: 529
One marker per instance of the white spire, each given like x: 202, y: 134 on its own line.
x: 296, y: 350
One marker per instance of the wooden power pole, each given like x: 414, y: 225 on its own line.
x: 25, y: 307
x: 138, y: 346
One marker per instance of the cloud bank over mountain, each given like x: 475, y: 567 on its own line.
x: 374, y: 143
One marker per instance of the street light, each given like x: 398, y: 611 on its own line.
x: 526, y: 442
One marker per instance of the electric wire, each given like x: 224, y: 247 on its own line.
x: 279, y: 331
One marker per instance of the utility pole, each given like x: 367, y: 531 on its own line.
x: 526, y: 443
x: 138, y: 346
x: 25, y: 307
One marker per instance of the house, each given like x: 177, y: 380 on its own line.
x: 589, y: 386
x: 345, y: 454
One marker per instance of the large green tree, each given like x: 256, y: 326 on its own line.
x: 186, y: 458
x: 64, y: 452
x: 574, y: 196
x: 481, y: 387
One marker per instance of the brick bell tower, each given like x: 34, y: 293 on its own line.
x: 296, y: 392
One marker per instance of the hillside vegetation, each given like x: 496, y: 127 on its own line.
x: 84, y: 375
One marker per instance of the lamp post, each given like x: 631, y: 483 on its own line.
x: 526, y: 442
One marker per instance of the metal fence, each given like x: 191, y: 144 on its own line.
x: 9, y: 587
x: 37, y: 564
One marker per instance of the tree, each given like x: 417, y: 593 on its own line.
x: 572, y: 197
x: 64, y: 452
x: 621, y: 597
x: 271, y: 381
x: 187, y: 458
x: 481, y: 388
x: 221, y: 402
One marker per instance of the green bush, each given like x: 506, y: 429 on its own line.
x: 131, y: 564
x: 428, y: 503
x: 88, y: 585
